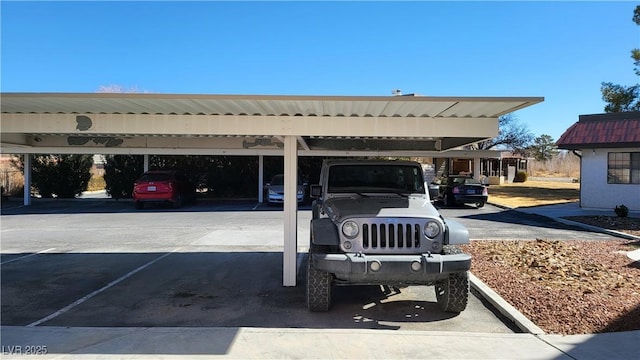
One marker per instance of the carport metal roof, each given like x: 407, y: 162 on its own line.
x: 247, y: 124
x: 103, y: 123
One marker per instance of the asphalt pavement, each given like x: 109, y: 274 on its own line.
x: 98, y: 280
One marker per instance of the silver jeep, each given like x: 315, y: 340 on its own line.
x: 374, y: 224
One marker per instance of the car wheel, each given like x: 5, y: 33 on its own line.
x: 452, y: 293
x: 318, y: 288
x: 480, y: 204
x: 139, y: 205
x: 177, y: 203
x: 448, y: 201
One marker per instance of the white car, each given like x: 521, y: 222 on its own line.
x: 275, y: 190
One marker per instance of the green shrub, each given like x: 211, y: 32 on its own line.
x: 621, y: 211
x: 62, y: 175
x: 520, y: 177
x: 120, y: 172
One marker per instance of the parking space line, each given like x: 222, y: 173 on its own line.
x: 27, y: 256
x: 89, y: 296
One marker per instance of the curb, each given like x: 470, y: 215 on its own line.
x: 504, y: 307
x: 596, y: 229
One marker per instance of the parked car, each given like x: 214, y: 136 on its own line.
x: 164, y: 187
x: 275, y: 190
x: 455, y: 190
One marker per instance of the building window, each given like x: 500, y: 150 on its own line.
x: 623, y: 168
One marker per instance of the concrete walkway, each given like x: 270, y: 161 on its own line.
x: 267, y: 343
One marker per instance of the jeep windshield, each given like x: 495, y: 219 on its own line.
x: 359, y: 179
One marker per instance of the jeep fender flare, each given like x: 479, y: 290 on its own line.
x: 324, y: 232
x: 456, y: 233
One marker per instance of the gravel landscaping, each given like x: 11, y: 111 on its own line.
x: 564, y: 287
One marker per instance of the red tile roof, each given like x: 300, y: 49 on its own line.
x: 603, y: 130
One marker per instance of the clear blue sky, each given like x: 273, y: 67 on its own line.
x: 559, y: 50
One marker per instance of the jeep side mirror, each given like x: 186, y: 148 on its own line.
x: 316, y: 191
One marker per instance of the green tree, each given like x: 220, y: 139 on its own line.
x: 513, y: 134
x: 544, y: 148
x: 621, y: 98
x: 120, y: 172
x: 62, y: 175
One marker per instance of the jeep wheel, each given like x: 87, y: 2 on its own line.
x: 452, y: 293
x: 480, y: 204
x: 318, y: 288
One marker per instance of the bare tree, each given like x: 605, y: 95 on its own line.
x: 513, y: 135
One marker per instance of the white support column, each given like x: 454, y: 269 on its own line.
x: 260, y: 179
x: 290, y: 206
x: 146, y: 163
x: 476, y: 168
x: 27, y: 179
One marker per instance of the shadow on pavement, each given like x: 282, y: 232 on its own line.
x: 239, y: 289
x: 520, y: 218
x: 15, y: 206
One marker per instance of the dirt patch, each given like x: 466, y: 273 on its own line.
x: 534, y: 193
x: 568, y: 287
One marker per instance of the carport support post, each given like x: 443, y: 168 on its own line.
x: 476, y: 168
x: 260, y: 179
x: 145, y: 161
x: 290, y: 206
x: 27, y: 179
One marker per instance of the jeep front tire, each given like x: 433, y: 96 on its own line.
x: 318, y: 288
x: 452, y: 293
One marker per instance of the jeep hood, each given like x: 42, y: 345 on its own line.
x: 412, y: 206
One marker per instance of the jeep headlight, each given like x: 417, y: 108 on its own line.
x: 431, y: 229
x: 300, y: 192
x: 271, y: 192
x: 350, y: 229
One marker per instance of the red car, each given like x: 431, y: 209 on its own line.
x: 164, y: 187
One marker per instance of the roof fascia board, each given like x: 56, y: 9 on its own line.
x: 248, y: 125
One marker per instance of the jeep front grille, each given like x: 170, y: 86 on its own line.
x: 391, y: 236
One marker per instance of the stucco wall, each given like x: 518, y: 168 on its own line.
x: 594, y: 190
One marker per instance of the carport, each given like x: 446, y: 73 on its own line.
x: 252, y: 125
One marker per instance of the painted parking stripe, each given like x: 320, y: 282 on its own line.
x: 27, y: 256
x: 89, y: 296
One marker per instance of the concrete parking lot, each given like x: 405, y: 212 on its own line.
x: 100, y: 263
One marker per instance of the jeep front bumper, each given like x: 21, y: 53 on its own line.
x: 390, y: 269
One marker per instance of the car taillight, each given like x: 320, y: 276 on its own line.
x: 485, y: 191
x: 456, y: 190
